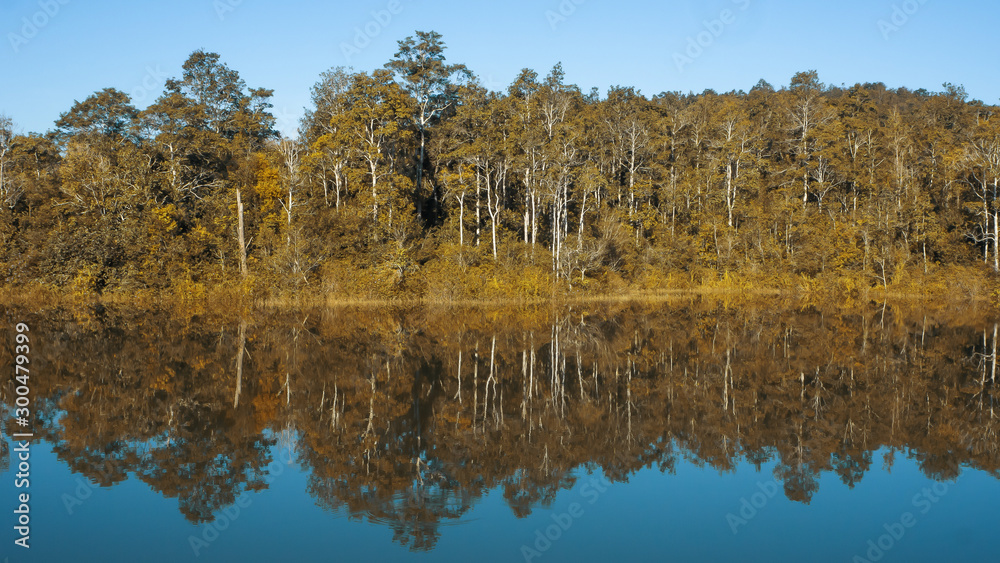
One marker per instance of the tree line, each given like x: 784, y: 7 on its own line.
x: 416, y: 180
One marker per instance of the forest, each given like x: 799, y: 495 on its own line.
x: 409, y: 417
x: 413, y: 181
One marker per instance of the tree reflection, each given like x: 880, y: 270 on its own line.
x: 409, y: 417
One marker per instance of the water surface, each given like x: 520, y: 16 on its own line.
x: 693, y: 431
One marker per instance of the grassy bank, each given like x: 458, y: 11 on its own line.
x: 953, y: 287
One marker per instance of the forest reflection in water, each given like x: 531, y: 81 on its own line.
x: 409, y: 416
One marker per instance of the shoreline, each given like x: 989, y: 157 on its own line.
x: 228, y: 297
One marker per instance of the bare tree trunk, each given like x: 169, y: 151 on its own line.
x: 565, y: 210
x: 288, y: 211
x: 555, y: 236
x: 493, y: 208
x: 374, y: 196
x: 290, y: 154
x: 527, y: 204
x: 534, y: 220
x: 996, y: 241
x: 493, y: 226
x: 420, y: 173
x: 479, y: 199
x: 240, y: 237
x: 337, y: 182
x: 461, y: 220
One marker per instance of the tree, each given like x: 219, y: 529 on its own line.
x: 107, y: 114
x: 377, y: 121
x: 289, y: 150
x: 898, y: 189
x: 329, y: 147
x: 457, y: 185
x: 982, y: 155
x: 419, y: 65
x: 527, y: 139
x: 192, y: 157
x: 7, y: 194
x: 736, y: 143
x: 808, y: 111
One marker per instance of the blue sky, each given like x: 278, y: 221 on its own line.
x: 56, y: 51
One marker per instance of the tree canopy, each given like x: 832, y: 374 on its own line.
x: 416, y: 181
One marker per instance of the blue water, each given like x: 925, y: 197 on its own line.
x: 521, y: 439
x: 694, y: 514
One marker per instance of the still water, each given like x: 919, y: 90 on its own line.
x: 694, y: 431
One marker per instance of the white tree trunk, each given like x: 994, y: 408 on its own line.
x: 996, y: 241
x: 461, y: 220
x: 239, y: 235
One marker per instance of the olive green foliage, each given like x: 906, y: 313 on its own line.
x: 414, y: 181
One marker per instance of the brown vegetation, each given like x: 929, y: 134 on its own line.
x: 416, y: 182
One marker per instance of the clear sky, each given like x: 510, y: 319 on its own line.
x: 56, y: 51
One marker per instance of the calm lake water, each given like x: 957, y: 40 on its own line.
x: 687, y: 431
